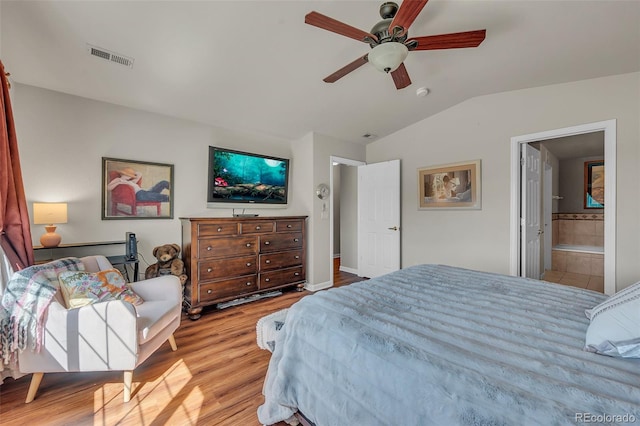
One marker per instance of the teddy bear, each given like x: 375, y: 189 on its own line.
x: 168, y: 263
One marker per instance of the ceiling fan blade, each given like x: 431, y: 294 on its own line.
x: 449, y: 41
x: 347, y: 69
x: 321, y: 21
x: 401, y: 77
x: 408, y: 12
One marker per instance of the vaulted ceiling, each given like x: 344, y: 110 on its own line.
x: 256, y: 66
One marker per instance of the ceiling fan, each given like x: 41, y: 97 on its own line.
x: 389, y: 40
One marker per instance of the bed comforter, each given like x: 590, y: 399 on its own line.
x: 438, y: 345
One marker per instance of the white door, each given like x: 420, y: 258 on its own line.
x: 530, y: 211
x: 547, y: 202
x: 378, y: 218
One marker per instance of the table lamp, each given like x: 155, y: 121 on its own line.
x: 48, y: 214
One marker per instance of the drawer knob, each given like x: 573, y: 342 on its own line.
x: 248, y: 263
x: 267, y: 261
x: 267, y: 280
x: 295, y: 240
x: 257, y: 228
x: 266, y: 243
x: 219, y: 229
x: 209, y: 248
x: 209, y: 291
x: 249, y: 283
x: 289, y: 226
x: 296, y: 257
x: 209, y: 269
x: 296, y: 274
x: 248, y: 244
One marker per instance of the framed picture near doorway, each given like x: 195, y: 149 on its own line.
x: 450, y: 186
x: 594, y: 184
x: 136, y: 189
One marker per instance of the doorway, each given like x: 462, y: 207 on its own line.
x: 343, y: 217
x: 374, y: 205
x: 519, y: 255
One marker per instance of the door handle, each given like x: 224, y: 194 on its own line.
x: 395, y: 228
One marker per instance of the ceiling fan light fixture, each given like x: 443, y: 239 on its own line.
x: 387, y: 57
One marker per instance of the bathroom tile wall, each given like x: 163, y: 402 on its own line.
x: 576, y: 262
x: 582, y: 229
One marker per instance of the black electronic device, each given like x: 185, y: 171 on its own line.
x: 131, y: 246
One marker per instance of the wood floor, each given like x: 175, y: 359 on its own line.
x: 215, y: 378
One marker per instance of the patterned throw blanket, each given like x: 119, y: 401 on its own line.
x: 24, y: 304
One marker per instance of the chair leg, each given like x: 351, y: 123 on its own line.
x: 128, y: 383
x: 33, y: 387
x: 172, y: 342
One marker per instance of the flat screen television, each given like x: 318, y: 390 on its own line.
x: 240, y: 179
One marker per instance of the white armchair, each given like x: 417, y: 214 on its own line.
x: 106, y: 336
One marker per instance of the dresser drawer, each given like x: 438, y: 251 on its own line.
x: 283, y: 259
x: 232, y: 257
x: 289, y: 225
x: 223, y: 268
x: 219, y: 229
x: 256, y: 227
x: 228, y: 288
x: 277, y: 242
x: 281, y: 277
x: 231, y: 246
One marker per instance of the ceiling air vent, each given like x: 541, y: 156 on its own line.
x: 110, y: 56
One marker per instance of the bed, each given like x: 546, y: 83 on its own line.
x: 436, y: 345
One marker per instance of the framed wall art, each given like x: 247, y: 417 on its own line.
x: 450, y: 186
x: 136, y: 189
x: 594, y: 184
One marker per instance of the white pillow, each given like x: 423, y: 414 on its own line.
x: 615, y: 325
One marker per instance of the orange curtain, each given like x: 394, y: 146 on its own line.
x: 15, y: 234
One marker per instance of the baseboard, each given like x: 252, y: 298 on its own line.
x: 316, y: 287
x: 349, y: 270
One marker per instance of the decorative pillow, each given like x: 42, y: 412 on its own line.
x: 80, y: 288
x: 615, y: 325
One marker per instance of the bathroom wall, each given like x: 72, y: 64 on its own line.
x: 578, y: 229
x: 582, y: 229
x: 572, y: 185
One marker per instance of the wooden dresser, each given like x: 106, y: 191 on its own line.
x: 229, y: 258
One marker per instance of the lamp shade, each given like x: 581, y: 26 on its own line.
x: 49, y: 213
x: 388, y: 56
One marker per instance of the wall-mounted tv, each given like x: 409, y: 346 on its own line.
x: 244, y: 178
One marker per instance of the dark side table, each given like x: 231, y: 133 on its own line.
x: 126, y: 264
x: 78, y: 249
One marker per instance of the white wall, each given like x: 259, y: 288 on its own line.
x: 335, y: 200
x: 62, y: 140
x: 348, y: 218
x: 481, y: 128
x: 323, y: 148
x: 0, y: 31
